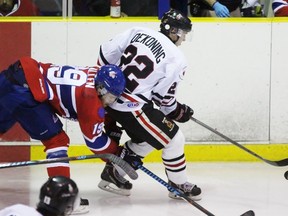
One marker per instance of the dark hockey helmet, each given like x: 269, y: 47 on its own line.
x: 7, y: 7
x: 111, y: 78
x: 58, y: 196
x: 173, y: 20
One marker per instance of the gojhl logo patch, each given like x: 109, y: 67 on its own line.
x: 168, y: 123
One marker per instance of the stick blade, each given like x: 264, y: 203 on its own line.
x: 283, y: 162
x: 128, y: 169
x: 248, y: 213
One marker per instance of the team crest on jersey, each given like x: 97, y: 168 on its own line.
x: 101, y: 112
x: 131, y: 105
x: 168, y: 123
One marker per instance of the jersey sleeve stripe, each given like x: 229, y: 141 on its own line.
x: 102, y: 57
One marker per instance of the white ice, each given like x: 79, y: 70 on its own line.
x: 229, y: 189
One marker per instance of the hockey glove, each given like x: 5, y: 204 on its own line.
x: 220, y: 10
x: 115, y: 133
x: 112, y: 130
x: 182, y: 113
x: 131, y: 158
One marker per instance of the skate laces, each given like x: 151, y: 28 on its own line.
x: 186, y: 187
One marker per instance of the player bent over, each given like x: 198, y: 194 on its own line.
x: 35, y: 94
x: 147, y: 110
x: 58, y: 197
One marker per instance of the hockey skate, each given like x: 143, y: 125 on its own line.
x: 190, y: 190
x: 113, y: 182
x: 83, y: 207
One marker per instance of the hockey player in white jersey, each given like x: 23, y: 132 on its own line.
x: 147, y: 110
x: 57, y: 198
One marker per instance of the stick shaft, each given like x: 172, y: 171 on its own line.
x: 182, y: 195
x: 47, y: 161
x: 174, y: 190
x: 113, y: 158
x: 283, y: 162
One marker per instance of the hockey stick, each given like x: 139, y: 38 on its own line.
x: 181, y: 194
x: 283, y: 162
x: 113, y: 158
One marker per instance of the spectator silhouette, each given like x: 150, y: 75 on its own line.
x: 18, y: 8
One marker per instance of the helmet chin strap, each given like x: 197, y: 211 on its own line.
x: 177, y: 42
x: 108, y: 99
x: 177, y: 33
x: 171, y: 38
x: 101, y: 90
x: 177, y: 39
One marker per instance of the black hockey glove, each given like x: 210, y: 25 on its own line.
x: 131, y: 158
x: 112, y: 130
x: 182, y: 113
x: 114, y: 133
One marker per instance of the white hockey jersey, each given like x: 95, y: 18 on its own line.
x: 19, y: 210
x: 152, y: 64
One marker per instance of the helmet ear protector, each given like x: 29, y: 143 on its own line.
x: 167, y: 26
x: 170, y: 29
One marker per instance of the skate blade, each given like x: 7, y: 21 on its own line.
x: 194, y: 198
x: 80, y: 210
x: 108, y: 186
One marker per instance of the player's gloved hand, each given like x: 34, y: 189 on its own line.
x: 182, y: 113
x: 130, y: 157
x: 112, y: 130
x: 114, y: 133
x: 220, y: 10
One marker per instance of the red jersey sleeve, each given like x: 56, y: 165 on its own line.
x: 91, y: 120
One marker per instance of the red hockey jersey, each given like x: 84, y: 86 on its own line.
x: 70, y: 91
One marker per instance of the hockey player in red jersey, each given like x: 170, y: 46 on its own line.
x: 153, y: 66
x: 35, y: 94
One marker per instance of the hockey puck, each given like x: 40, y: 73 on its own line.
x: 286, y: 175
